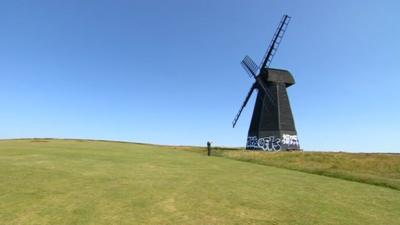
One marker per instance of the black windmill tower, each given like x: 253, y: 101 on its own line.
x: 272, y: 126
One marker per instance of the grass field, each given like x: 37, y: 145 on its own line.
x: 94, y: 182
x: 370, y: 168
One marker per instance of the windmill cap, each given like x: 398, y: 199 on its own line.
x: 280, y: 76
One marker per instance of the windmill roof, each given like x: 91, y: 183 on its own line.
x: 280, y: 76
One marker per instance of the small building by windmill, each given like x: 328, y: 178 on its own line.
x: 272, y: 125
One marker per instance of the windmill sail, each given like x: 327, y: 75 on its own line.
x: 251, y: 68
x: 276, y: 40
x: 243, y: 105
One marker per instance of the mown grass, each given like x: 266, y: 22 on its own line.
x: 96, y: 182
x: 371, y: 168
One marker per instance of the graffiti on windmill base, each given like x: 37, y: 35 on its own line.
x: 273, y: 143
x: 290, y: 140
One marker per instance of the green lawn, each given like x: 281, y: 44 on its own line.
x: 93, y: 182
x: 370, y: 168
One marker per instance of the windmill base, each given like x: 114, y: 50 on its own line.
x: 274, y: 141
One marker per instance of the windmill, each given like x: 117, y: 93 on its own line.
x: 272, y: 126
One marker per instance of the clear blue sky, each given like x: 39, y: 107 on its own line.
x: 168, y: 72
